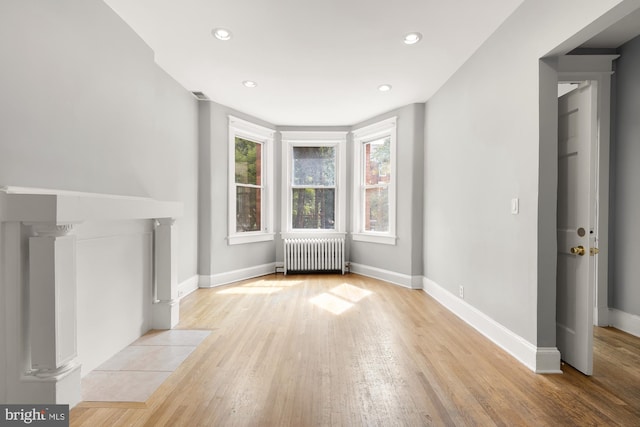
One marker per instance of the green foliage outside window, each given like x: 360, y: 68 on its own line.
x: 314, y: 180
x: 248, y: 161
x: 248, y: 180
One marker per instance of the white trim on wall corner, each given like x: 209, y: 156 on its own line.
x: 542, y: 360
x: 547, y: 360
x: 627, y: 322
x: 601, y: 316
x: 404, y: 280
x: 236, y: 275
x: 188, y: 286
x: 205, y: 281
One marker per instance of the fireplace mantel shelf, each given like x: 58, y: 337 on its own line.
x: 44, y: 205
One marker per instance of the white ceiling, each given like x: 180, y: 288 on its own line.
x: 315, y: 62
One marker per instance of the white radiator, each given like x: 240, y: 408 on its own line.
x: 314, y: 254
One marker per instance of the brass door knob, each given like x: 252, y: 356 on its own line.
x: 577, y: 250
x: 594, y: 251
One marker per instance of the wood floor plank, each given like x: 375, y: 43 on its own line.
x: 349, y: 350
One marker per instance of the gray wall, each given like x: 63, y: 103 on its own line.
x: 84, y: 107
x: 624, y: 288
x: 406, y: 256
x: 216, y: 256
x: 485, y: 145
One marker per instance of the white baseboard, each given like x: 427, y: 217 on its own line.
x: 404, y: 280
x: 236, y: 275
x: 547, y: 360
x: 630, y: 323
x: 539, y: 359
x: 188, y: 286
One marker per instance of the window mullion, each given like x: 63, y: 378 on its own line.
x: 381, y: 185
x: 249, y: 185
x: 313, y: 186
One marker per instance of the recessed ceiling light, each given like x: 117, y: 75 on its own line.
x: 384, y: 88
x: 221, y: 34
x: 412, y: 38
x: 249, y: 83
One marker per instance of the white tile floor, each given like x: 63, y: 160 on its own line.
x: 137, y: 371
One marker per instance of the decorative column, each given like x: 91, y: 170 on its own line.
x: 166, y: 308
x: 52, y: 312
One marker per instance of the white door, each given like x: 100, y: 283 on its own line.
x: 577, y: 133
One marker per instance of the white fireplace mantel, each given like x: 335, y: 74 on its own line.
x: 44, y: 205
x: 38, y: 282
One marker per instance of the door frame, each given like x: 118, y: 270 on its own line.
x: 598, y: 69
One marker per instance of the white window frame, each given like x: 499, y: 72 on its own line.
x: 250, y: 131
x: 362, y: 136
x: 335, y: 139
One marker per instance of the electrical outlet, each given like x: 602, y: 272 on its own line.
x: 461, y: 291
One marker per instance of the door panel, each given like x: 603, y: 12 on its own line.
x: 576, y: 201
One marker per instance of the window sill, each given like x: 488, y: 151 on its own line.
x: 374, y: 238
x: 308, y: 234
x: 240, y: 239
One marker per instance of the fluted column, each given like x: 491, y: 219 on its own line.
x: 52, y: 310
x: 166, y: 311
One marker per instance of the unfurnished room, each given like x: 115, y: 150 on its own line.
x: 344, y: 213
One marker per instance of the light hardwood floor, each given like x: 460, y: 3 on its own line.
x: 337, y: 350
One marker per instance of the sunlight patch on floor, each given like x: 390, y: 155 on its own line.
x: 350, y: 292
x: 273, y: 283
x: 331, y: 303
x: 340, y: 299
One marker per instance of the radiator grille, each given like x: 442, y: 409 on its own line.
x: 317, y: 254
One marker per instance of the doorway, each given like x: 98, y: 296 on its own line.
x: 583, y: 220
x: 577, y: 230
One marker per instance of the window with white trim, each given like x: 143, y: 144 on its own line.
x: 374, y: 179
x: 314, y: 177
x: 250, y: 182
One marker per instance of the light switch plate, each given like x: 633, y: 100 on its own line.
x: 515, y: 206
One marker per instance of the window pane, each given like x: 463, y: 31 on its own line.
x: 313, y: 208
x: 377, y: 161
x: 248, y: 162
x: 248, y: 209
x: 376, y: 212
x: 314, y: 166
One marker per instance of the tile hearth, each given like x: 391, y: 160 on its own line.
x: 137, y: 371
